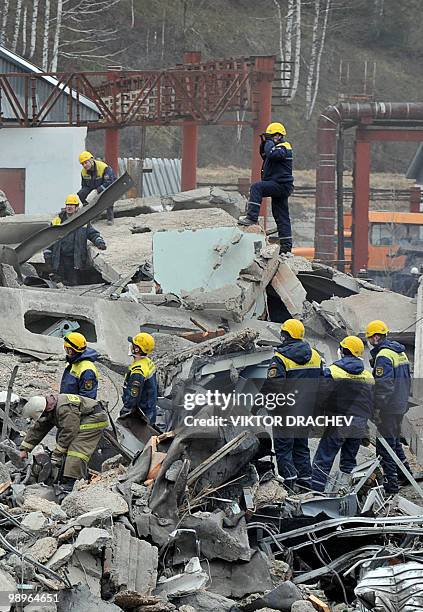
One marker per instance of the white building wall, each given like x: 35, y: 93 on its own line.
x: 50, y: 158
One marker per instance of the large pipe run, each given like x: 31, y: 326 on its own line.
x: 345, y: 113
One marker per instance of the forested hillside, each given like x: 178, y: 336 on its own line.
x: 315, y: 35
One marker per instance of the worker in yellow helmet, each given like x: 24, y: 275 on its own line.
x: 391, y: 370
x: 140, y: 384
x: 296, y: 367
x: 69, y: 255
x: 80, y: 376
x: 95, y: 175
x: 346, y: 390
x: 277, y: 182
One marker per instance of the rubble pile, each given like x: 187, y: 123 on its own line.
x: 192, y: 517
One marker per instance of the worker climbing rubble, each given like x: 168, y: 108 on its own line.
x: 346, y: 389
x: 391, y: 370
x: 95, y: 175
x: 295, y: 362
x: 277, y: 182
x: 80, y: 423
x: 140, y: 384
x: 80, y: 375
x: 69, y: 256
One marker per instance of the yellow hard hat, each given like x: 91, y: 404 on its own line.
x: 75, y: 341
x: 294, y: 328
x: 376, y: 327
x: 276, y: 128
x: 85, y: 156
x: 34, y: 407
x: 72, y: 200
x: 144, y: 341
x: 354, y: 344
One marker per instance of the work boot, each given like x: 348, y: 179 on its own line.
x: 110, y: 216
x: 402, y: 479
x: 252, y: 212
x: 285, y: 247
x: 246, y: 221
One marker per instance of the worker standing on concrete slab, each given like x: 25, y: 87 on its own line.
x: 80, y: 376
x: 140, y: 384
x: 347, y: 389
x: 295, y: 360
x: 95, y: 175
x: 277, y: 182
x: 80, y: 423
x: 391, y: 370
x: 69, y: 255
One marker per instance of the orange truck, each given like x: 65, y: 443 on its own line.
x: 395, y: 243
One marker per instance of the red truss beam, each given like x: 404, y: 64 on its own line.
x: 202, y: 93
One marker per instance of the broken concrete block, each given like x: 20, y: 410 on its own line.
x: 77, y: 575
x: 4, y: 473
x: 92, y: 538
x: 139, y: 556
x: 240, y: 579
x: 61, y: 556
x: 80, y: 599
x: 8, y: 276
x: 94, y: 517
x: 41, y: 607
x: 20, y: 568
x: 44, y: 549
x: 289, y: 289
x: 193, y: 579
x: 130, y: 600
x: 207, y: 197
x: 88, y: 562
x: 203, y: 601
x: 302, y: 606
x: 49, y: 508
x: 7, y: 584
x: 280, y: 598
x: 269, y: 492
x: 35, y: 521
x: 112, y: 462
x: 93, y: 497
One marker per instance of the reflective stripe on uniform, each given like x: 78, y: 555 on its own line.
x: 78, y: 455
x: 397, y: 359
x: 144, y: 366
x: 314, y: 362
x: 26, y: 445
x: 99, y: 425
x: 80, y: 367
x: 338, y: 372
x: 74, y: 399
x: 60, y: 449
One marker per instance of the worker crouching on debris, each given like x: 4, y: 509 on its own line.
x: 347, y: 389
x: 80, y: 376
x: 69, y: 255
x: 80, y: 422
x: 140, y: 385
x: 95, y: 175
x: 277, y: 182
x: 295, y: 361
x: 391, y: 370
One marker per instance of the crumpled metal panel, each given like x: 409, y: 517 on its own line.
x: 398, y: 588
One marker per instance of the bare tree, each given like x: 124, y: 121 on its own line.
x: 24, y: 30
x: 16, y: 31
x: 314, y: 69
x: 290, y: 47
x: 45, y: 34
x: 4, y: 21
x: 297, y: 50
x: 54, y: 59
x: 34, y: 22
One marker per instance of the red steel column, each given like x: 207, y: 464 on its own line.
x: 190, y: 139
x: 360, y: 216
x: 264, y: 70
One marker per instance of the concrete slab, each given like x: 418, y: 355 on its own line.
x: 207, y: 197
x: 289, y: 289
x: 14, y: 230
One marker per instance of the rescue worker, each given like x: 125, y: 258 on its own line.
x: 95, y: 174
x: 80, y: 422
x: 295, y: 362
x: 391, y: 370
x: 80, y: 376
x: 346, y: 390
x: 140, y: 384
x: 277, y: 182
x: 69, y: 255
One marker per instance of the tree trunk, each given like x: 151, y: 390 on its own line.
x: 319, y: 55
x: 55, y: 58
x: 17, y: 25
x: 45, y: 35
x: 297, y: 51
x: 288, y: 44
x: 4, y: 22
x: 33, y: 28
x: 313, y: 58
x: 24, y: 21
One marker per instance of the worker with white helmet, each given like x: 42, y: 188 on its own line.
x: 140, y: 384
x: 80, y: 422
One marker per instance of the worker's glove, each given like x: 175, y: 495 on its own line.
x: 263, y: 137
x: 56, y: 465
x: 101, y: 245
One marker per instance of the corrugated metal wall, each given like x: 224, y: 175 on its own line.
x: 58, y: 114
x: 164, y: 180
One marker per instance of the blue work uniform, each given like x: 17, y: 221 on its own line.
x: 140, y: 389
x: 347, y: 390
x: 80, y: 376
x: 391, y: 370
x: 277, y: 182
x: 98, y: 178
x: 299, y: 367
